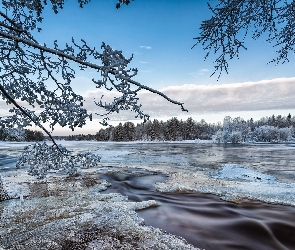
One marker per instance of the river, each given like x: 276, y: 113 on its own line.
x: 214, y: 196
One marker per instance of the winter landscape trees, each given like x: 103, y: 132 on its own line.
x: 232, y: 130
x: 238, y: 130
x: 28, y: 68
x: 19, y: 134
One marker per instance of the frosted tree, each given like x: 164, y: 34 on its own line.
x: 128, y: 128
x: 190, y: 129
x: 14, y: 134
x: 267, y: 133
x: 232, y: 20
x: 28, y: 67
x: 157, y: 130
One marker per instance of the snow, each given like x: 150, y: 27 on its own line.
x: 227, y: 180
x: 189, y: 166
x: 66, y: 215
x: 255, y: 185
x: 235, y: 172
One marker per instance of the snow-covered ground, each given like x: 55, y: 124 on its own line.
x: 262, y: 172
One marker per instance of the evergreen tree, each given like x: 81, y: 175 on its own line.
x: 289, y: 122
x: 101, y: 135
x: 128, y: 131
x: 118, y: 133
x: 251, y: 124
x: 202, y: 130
x: 172, y: 131
x: 148, y: 133
x: 1, y: 134
x: 190, y: 129
x: 157, y: 130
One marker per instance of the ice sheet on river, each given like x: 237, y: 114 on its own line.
x: 233, y: 183
x: 255, y: 185
x: 233, y: 172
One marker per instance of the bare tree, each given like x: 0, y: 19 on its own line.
x: 28, y: 67
x: 225, y: 32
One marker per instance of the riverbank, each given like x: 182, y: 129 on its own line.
x: 170, y: 182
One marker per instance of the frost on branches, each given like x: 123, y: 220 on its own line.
x: 3, y: 194
x: 28, y: 67
x: 41, y: 158
x: 224, y: 33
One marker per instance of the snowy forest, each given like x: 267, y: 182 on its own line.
x: 232, y: 130
x: 19, y: 134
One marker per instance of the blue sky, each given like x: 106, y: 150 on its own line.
x: 160, y: 35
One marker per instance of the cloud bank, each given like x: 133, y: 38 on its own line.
x: 274, y: 94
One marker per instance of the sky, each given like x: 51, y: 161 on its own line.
x: 159, y: 33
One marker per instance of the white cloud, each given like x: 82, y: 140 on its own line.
x: 275, y: 94
x: 145, y: 47
x: 200, y: 72
x: 143, y: 62
x: 266, y: 95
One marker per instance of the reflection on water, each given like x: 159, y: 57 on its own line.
x: 206, y: 221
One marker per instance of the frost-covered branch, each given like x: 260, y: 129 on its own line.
x: 42, y: 158
x: 225, y: 32
x: 28, y: 68
x: 3, y: 193
x: 25, y: 57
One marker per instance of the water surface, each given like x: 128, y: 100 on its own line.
x: 204, y: 220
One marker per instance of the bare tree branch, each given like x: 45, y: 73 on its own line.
x: 225, y: 32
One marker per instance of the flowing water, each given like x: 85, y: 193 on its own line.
x: 207, y: 222
x: 214, y: 196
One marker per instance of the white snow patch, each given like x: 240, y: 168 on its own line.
x: 235, y: 172
x: 255, y: 185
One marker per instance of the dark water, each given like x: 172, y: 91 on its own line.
x: 7, y: 163
x: 207, y: 222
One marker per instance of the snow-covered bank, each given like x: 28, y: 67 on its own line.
x: 233, y: 183
x: 235, y: 172
x: 71, y: 213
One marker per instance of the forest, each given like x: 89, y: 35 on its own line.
x: 232, y: 130
x: 20, y: 134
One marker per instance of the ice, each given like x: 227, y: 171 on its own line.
x: 255, y: 185
x: 232, y: 172
x: 233, y: 183
x: 235, y: 172
x: 72, y: 216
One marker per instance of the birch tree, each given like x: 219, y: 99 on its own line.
x: 27, y: 67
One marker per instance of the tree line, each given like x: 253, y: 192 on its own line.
x: 267, y: 129
x: 20, y: 134
x: 232, y: 130
x: 171, y: 130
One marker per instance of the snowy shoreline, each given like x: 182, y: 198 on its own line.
x: 183, y: 176
x: 233, y: 172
